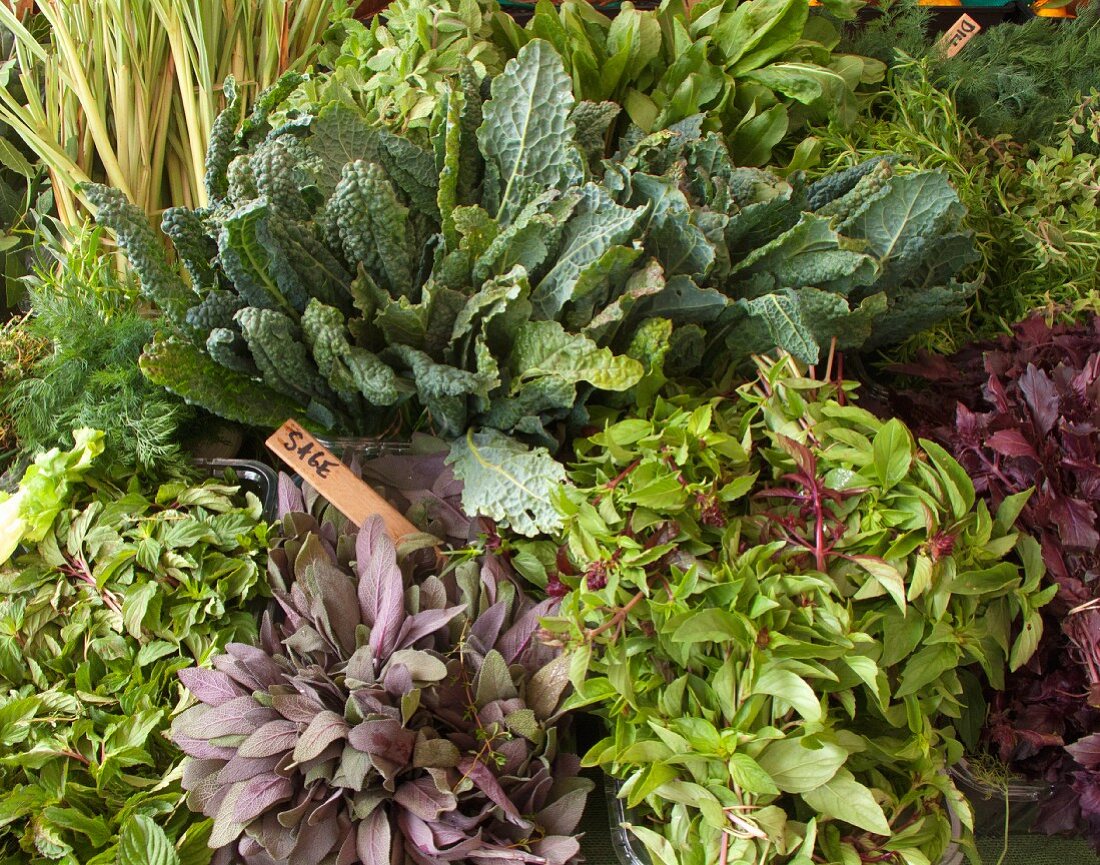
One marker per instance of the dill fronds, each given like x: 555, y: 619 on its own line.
x: 94, y: 333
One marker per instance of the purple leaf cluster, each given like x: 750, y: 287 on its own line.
x: 1019, y: 412
x: 383, y: 720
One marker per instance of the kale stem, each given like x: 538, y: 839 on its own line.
x: 829, y: 363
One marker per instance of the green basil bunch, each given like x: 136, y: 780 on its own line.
x: 779, y: 603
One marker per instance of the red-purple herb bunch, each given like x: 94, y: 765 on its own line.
x: 1019, y: 412
x: 385, y: 716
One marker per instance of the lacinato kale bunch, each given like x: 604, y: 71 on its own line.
x: 502, y: 280
x: 381, y: 719
x: 1019, y: 412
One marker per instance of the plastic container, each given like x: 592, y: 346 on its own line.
x: 253, y: 476
x: 630, y: 851
x: 360, y: 449
x: 1022, y: 799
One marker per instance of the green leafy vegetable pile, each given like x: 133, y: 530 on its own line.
x: 1034, y: 207
x: 758, y: 70
x: 775, y: 599
x: 504, y: 277
x: 397, y: 68
x: 115, y: 591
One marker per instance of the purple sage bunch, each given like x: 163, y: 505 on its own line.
x: 383, y: 720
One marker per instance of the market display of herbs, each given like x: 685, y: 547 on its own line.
x: 757, y: 70
x: 1018, y: 412
x: 779, y: 604
x: 503, y: 279
x: 114, y: 591
x: 1033, y: 208
x: 383, y: 717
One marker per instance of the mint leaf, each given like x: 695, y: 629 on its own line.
x: 143, y: 842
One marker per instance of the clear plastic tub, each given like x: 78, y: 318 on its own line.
x: 1020, y: 800
x: 359, y: 449
x: 630, y: 851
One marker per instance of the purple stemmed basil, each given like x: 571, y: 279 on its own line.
x: 1019, y: 412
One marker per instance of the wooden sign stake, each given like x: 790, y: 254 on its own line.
x: 334, y: 480
x: 961, y: 32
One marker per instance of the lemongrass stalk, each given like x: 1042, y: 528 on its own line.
x: 129, y: 89
x: 23, y: 37
x: 185, y: 75
x: 97, y: 124
x: 162, y: 124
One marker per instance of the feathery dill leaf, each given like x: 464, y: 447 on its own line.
x: 1024, y: 80
x: 88, y: 376
x: 897, y: 25
x: 1021, y: 80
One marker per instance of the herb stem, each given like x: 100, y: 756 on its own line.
x: 67, y: 752
x: 618, y: 618
x: 618, y: 479
x: 78, y: 568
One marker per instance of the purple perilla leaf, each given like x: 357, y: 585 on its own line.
x: 1086, y: 751
x: 1041, y: 397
